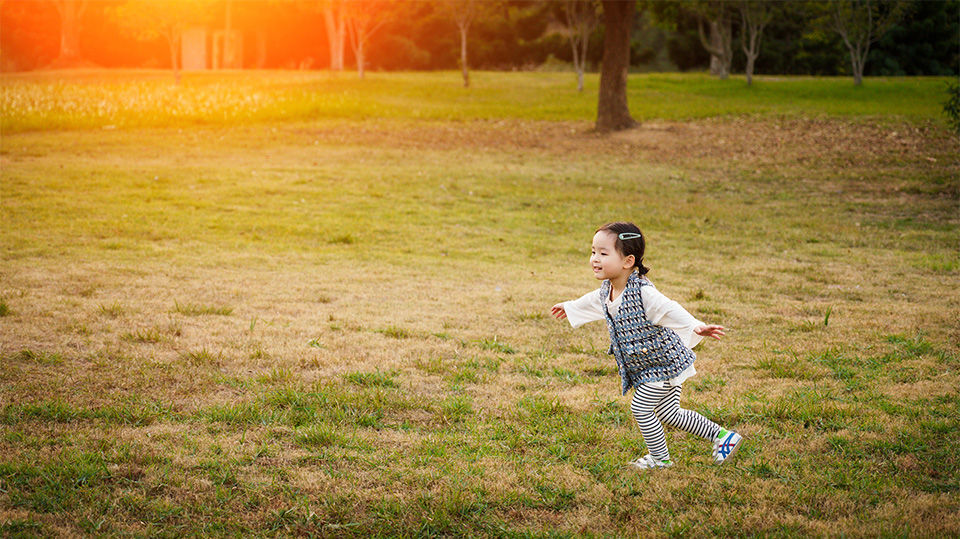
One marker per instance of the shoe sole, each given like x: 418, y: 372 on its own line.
x: 638, y: 469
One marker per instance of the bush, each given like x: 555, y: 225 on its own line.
x: 951, y: 107
x: 397, y: 52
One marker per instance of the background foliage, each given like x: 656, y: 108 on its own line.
x: 518, y: 35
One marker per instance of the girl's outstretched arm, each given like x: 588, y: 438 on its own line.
x: 580, y: 311
x: 710, y: 331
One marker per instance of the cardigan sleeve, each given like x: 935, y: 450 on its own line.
x: 588, y: 308
x: 665, y: 312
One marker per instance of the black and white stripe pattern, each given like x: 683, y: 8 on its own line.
x: 653, y: 406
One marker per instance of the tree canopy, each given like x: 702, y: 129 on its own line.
x: 421, y: 35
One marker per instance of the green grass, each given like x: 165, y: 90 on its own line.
x: 372, y: 379
x: 322, y: 314
x: 28, y: 355
x: 149, y: 99
x: 148, y: 336
x: 195, y: 309
x: 394, y: 332
x: 201, y: 357
x: 114, y: 310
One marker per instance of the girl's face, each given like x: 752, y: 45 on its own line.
x: 606, y: 261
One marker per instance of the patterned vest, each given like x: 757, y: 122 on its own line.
x: 645, y: 352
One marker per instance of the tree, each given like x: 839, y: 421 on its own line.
x: 682, y: 41
x: 148, y: 19
x: 951, y: 107
x: 860, y: 23
x: 363, y: 18
x: 719, y: 45
x: 798, y: 42
x: 924, y: 43
x: 335, y: 21
x: 70, y: 12
x: 334, y: 14
x: 612, y: 111
x: 464, y: 12
x: 581, y: 19
x: 754, y: 16
x: 231, y: 57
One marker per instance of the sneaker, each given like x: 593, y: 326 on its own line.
x: 725, y: 446
x: 648, y: 462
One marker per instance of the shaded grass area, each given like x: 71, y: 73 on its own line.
x: 338, y: 328
x: 131, y: 99
x: 311, y: 459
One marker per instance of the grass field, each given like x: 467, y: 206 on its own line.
x: 97, y: 99
x: 294, y: 304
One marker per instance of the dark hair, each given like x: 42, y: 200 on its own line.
x: 632, y: 246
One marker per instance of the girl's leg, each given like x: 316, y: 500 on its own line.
x: 645, y: 400
x: 668, y: 410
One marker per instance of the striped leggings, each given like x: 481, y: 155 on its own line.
x: 653, y: 406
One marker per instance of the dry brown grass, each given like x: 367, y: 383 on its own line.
x: 387, y: 367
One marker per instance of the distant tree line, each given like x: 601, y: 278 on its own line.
x: 796, y: 37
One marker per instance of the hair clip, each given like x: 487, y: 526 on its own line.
x: 629, y: 236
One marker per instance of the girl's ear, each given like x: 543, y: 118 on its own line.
x: 629, y: 262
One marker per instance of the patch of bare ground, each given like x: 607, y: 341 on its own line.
x: 837, y: 142
x: 821, y: 155
x: 824, y: 142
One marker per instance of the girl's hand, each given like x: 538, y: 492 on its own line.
x: 558, y: 311
x: 710, y: 331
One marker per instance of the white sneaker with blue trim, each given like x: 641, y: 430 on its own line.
x: 725, y: 446
x: 647, y: 462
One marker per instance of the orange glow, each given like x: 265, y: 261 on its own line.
x: 267, y: 34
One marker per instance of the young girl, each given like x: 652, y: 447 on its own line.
x: 651, y: 337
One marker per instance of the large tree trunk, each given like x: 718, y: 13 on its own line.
x: 336, y: 32
x: 717, y: 68
x: 70, y: 12
x: 612, y: 111
x: 718, y: 45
